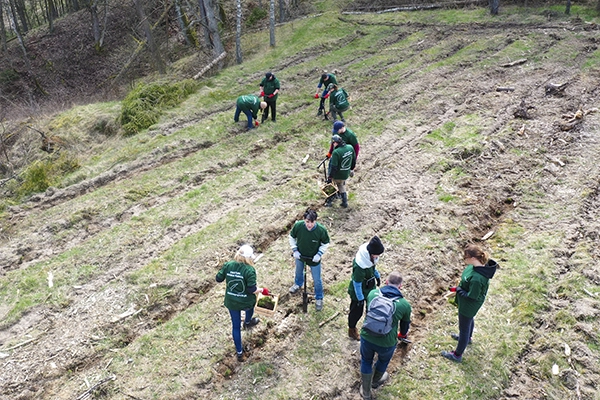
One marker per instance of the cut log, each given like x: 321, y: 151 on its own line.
x: 512, y: 64
x: 210, y: 65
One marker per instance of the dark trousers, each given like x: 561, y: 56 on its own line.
x: 355, y: 313
x: 273, y: 106
x: 465, y: 331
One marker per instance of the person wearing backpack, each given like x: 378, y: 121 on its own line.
x: 338, y: 101
x: 365, y: 278
x: 379, y: 334
x: 470, y: 295
x: 240, y: 293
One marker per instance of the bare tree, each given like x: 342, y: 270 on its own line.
x: 282, y: 10
x: 152, y: 46
x: 238, y: 32
x: 494, y: 6
x: 212, y: 27
x: 272, y: 23
x: 2, y: 27
x: 15, y: 27
x: 568, y: 8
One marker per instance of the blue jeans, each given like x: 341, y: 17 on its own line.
x: 367, y: 355
x: 316, y: 275
x: 465, y: 332
x: 248, y: 113
x: 236, y: 323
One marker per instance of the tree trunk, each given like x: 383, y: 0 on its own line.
x: 494, y: 6
x: 158, y: 61
x: 204, y: 23
x: 51, y: 14
x: 272, y: 23
x: 568, y: 8
x: 19, y: 17
x: 238, y: 32
x: 93, y: 8
x: 15, y: 28
x: 213, y: 29
x: 2, y: 28
x: 282, y: 10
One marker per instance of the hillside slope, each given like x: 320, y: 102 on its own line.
x: 132, y: 249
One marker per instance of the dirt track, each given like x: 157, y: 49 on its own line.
x: 396, y: 189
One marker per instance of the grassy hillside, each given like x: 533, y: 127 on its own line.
x: 132, y: 239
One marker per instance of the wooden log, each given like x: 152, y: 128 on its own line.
x: 210, y: 65
x: 516, y: 62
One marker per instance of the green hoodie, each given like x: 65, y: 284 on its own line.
x: 475, y: 283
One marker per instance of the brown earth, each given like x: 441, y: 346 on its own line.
x: 396, y: 189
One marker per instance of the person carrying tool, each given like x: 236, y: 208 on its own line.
x: 240, y: 293
x: 339, y: 128
x: 269, y: 89
x: 470, y: 295
x: 309, y: 241
x: 341, y: 166
x: 382, y: 345
x: 365, y: 278
x: 338, y: 101
x: 326, y: 79
x: 249, y: 104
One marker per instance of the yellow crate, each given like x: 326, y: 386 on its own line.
x: 329, y: 189
x: 265, y: 311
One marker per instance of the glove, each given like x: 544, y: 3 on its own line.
x: 265, y: 292
x: 256, y: 124
x: 403, y: 338
x: 262, y: 94
x: 328, y: 155
x: 361, y: 304
x: 351, y: 174
x: 462, y: 292
x: 326, y: 96
x: 271, y: 95
x: 452, y: 288
x: 316, y: 95
x: 378, y: 281
x: 297, y: 254
x: 316, y: 258
x: 328, y: 180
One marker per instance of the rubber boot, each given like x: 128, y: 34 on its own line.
x: 345, y: 200
x: 321, y: 107
x: 365, y: 388
x: 378, y: 379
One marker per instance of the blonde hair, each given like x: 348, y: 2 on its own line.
x: 474, y: 251
x: 244, y: 260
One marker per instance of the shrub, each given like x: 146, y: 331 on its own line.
x: 145, y: 103
x: 42, y: 174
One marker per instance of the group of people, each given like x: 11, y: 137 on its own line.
x: 309, y: 240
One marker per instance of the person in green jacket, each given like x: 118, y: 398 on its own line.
x: 338, y: 101
x: 365, y: 278
x: 348, y: 135
x: 309, y: 240
x: 383, y: 346
x: 249, y: 104
x: 470, y: 295
x: 341, y: 166
x: 240, y: 293
x: 269, y: 89
x: 325, y: 81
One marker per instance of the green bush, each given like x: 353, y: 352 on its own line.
x: 42, y: 174
x: 257, y: 14
x: 145, y: 103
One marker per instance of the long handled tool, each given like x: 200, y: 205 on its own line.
x: 305, y: 292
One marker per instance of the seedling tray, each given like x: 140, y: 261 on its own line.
x: 329, y: 189
x: 266, y: 312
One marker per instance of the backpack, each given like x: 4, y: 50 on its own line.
x: 380, y: 314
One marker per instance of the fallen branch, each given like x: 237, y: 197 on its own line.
x: 22, y: 344
x: 329, y: 319
x: 88, y: 392
x: 512, y: 64
x: 505, y: 89
x: 210, y: 65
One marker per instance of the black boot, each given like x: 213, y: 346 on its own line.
x: 345, y: 200
x: 326, y: 117
x: 365, y: 388
x: 329, y: 201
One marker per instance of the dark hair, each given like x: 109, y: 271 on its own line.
x: 324, y: 76
x: 394, y: 278
x: 268, y: 75
x: 473, y: 250
x: 310, y: 215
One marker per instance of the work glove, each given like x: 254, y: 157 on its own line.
x: 265, y: 292
x: 328, y: 155
x: 462, y: 292
x: 378, y: 281
x: 328, y: 180
x: 316, y: 95
x: 452, y: 288
x: 271, y: 95
x: 351, y: 174
x: 326, y: 96
x: 256, y: 124
x: 361, y: 303
x: 316, y: 258
x: 297, y: 254
x: 262, y: 94
x: 403, y: 338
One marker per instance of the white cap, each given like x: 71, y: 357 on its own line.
x: 246, y: 251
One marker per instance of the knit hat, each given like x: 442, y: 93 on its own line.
x: 246, y: 251
x: 337, y: 125
x: 268, y: 75
x: 375, y: 246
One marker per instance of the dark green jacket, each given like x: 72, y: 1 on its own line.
x: 308, y: 242
x: 401, y: 315
x: 249, y: 102
x: 239, y: 277
x: 339, y: 99
x: 475, y: 282
x: 329, y: 81
x: 269, y: 87
x: 343, y: 160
